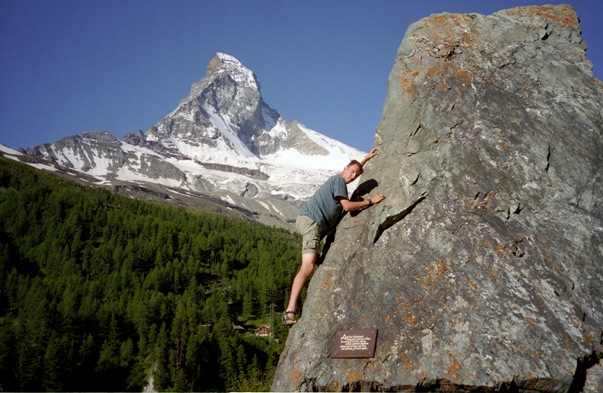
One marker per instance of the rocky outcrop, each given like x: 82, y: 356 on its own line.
x: 87, y: 147
x: 483, y: 268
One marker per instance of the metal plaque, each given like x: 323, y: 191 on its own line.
x: 354, y: 344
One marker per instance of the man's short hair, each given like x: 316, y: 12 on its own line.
x: 359, y: 165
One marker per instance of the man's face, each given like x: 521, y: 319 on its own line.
x: 350, y: 173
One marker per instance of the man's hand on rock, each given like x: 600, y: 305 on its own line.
x: 377, y: 199
x: 374, y: 152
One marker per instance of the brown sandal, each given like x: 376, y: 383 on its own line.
x: 287, y: 320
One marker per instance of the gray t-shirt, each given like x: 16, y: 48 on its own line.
x: 324, y: 208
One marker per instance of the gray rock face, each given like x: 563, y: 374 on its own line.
x: 483, y: 268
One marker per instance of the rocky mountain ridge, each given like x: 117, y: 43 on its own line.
x: 482, y: 270
x: 222, y: 143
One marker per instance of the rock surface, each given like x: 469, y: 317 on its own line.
x: 483, y: 268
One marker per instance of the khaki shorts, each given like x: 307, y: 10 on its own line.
x: 311, y: 234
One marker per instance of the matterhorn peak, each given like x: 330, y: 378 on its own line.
x: 224, y: 63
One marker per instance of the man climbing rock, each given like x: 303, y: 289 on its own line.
x: 319, y: 216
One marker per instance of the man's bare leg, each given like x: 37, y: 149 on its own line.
x: 307, y: 266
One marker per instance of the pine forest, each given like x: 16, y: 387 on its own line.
x: 99, y: 292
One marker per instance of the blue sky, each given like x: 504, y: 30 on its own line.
x: 70, y: 66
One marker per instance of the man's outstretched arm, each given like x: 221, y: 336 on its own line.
x: 374, y: 152
x: 350, y: 206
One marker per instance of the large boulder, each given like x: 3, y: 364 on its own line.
x: 483, y: 268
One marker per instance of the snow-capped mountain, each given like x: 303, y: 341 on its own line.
x: 221, y: 141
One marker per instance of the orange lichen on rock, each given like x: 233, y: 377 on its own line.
x: 296, y: 375
x: 453, y: 369
x: 407, y: 364
x: 411, y: 320
x: 472, y: 284
x: 446, y: 22
x: 353, y: 375
x: 407, y: 82
x: 435, y: 273
x: 565, y: 17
